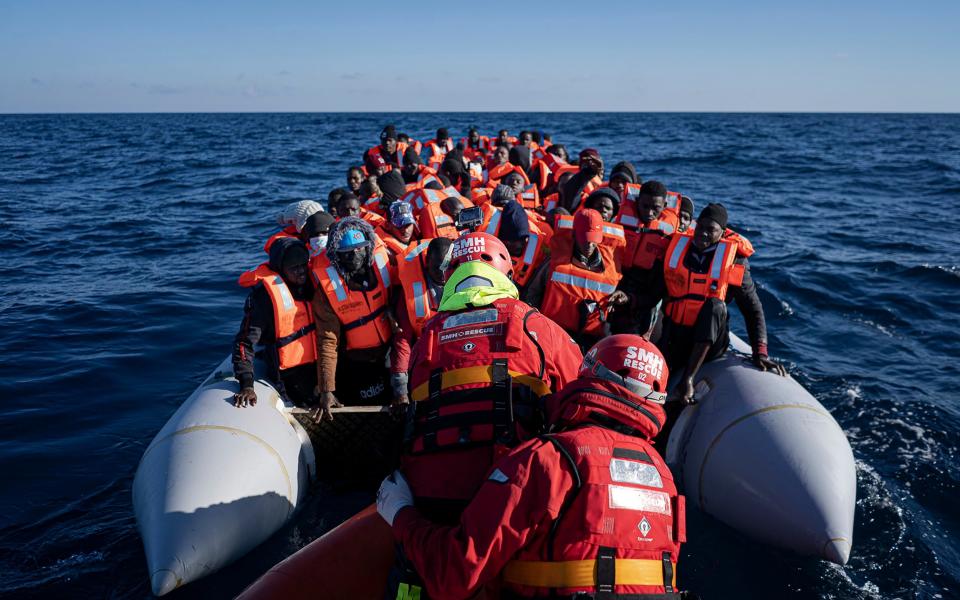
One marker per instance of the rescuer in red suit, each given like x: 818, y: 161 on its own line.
x: 590, y: 509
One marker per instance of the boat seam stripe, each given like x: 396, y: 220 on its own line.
x: 276, y: 455
x: 716, y: 440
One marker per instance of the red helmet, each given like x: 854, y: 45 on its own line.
x: 631, y: 362
x: 482, y: 247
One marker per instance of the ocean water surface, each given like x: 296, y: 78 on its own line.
x: 121, y: 238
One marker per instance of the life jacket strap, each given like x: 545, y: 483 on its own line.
x: 365, y: 319
x: 296, y: 335
x: 606, y: 571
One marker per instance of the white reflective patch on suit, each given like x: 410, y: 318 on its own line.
x: 629, y: 471
x: 638, y: 499
x: 498, y: 476
x: 487, y: 315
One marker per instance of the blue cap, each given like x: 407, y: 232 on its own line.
x: 352, y: 238
x: 401, y: 214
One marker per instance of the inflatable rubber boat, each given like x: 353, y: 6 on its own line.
x: 757, y: 452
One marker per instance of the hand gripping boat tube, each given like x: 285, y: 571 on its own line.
x: 759, y: 453
x: 218, y: 480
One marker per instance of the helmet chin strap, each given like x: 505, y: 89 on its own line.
x: 637, y: 387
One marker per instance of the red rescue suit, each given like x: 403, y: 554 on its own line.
x: 469, y: 368
x: 688, y: 291
x: 392, y: 160
x: 573, y: 512
x: 573, y: 295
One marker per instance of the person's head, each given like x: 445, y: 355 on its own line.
x: 411, y: 162
x: 587, y: 231
x: 289, y: 257
x: 473, y: 137
x: 451, y: 206
x: 355, y: 177
x: 560, y: 151
x: 554, y: 214
x: 503, y: 137
x: 369, y: 189
x: 388, y: 139
x: 392, y: 188
x: 501, y: 155
x: 591, y: 162
x: 453, y: 170
x: 296, y: 213
x: 403, y: 138
x: 515, y: 181
x: 501, y: 195
x: 350, y: 244
x: 438, y: 258
x: 478, y: 246
x: 349, y: 206
x: 621, y: 367
x: 314, y: 233
x: 605, y: 201
x: 514, y: 228
x: 537, y: 137
x: 711, y: 224
x: 401, y: 220
x: 686, y: 213
x: 525, y: 138
x: 442, y: 135
x: 376, y: 164
x: 651, y: 201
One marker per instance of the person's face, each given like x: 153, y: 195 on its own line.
x: 474, y: 137
x: 706, y: 234
x: 685, y: 219
x: 501, y: 155
x: 515, y: 182
x: 353, y: 260
x: 592, y: 164
x: 381, y: 169
x: 604, y: 206
x: 562, y: 154
x: 650, y: 207
x: 434, y: 262
x: 390, y: 145
x: 618, y: 184
x: 503, y: 135
x: 349, y: 208
x: 295, y: 275
x: 405, y: 233
x: 526, y: 137
x: 586, y: 248
x: 354, y: 179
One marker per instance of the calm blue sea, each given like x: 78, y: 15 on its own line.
x: 121, y: 237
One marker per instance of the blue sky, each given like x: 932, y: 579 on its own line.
x: 135, y: 56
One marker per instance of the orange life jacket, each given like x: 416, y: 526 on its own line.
x: 412, y: 273
x: 372, y: 204
x: 687, y: 291
x: 394, y: 246
x: 433, y: 222
x: 362, y: 314
x: 425, y: 175
x: 627, y: 216
x: 573, y: 295
x: 492, y: 177
x: 422, y: 197
x: 378, y: 151
x: 620, y: 531
x: 375, y: 219
x: 296, y: 338
x: 529, y: 197
x: 533, y: 253
x: 647, y: 243
x: 252, y: 277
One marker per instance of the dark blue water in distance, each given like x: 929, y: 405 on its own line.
x: 121, y: 238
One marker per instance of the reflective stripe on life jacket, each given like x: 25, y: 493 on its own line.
x: 362, y: 314
x: 687, y: 291
x: 296, y: 341
x: 411, y: 271
x: 573, y: 295
x: 620, y: 530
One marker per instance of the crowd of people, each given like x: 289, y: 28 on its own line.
x: 527, y: 312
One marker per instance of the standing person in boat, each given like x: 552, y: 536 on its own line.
x: 277, y: 315
x: 414, y: 171
x: 588, y: 178
x: 589, y: 511
x: 647, y: 239
x: 421, y: 274
x: 354, y: 325
x: 573, y: 287
x: 704, y: 269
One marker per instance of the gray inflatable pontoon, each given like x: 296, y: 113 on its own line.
x: 759, y: 453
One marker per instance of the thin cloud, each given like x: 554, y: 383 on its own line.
x: 37, y: 81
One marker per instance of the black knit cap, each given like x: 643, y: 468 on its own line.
x: 605, y: 192
x: 295, y: 254
x: 686, y: 205
x: 442, y: 133
x: 714, y: 212
x: 391, y: 185
x: 410, y: 157
x: 625, y: 169
x: 318, y: 223
x: 389, y: 133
